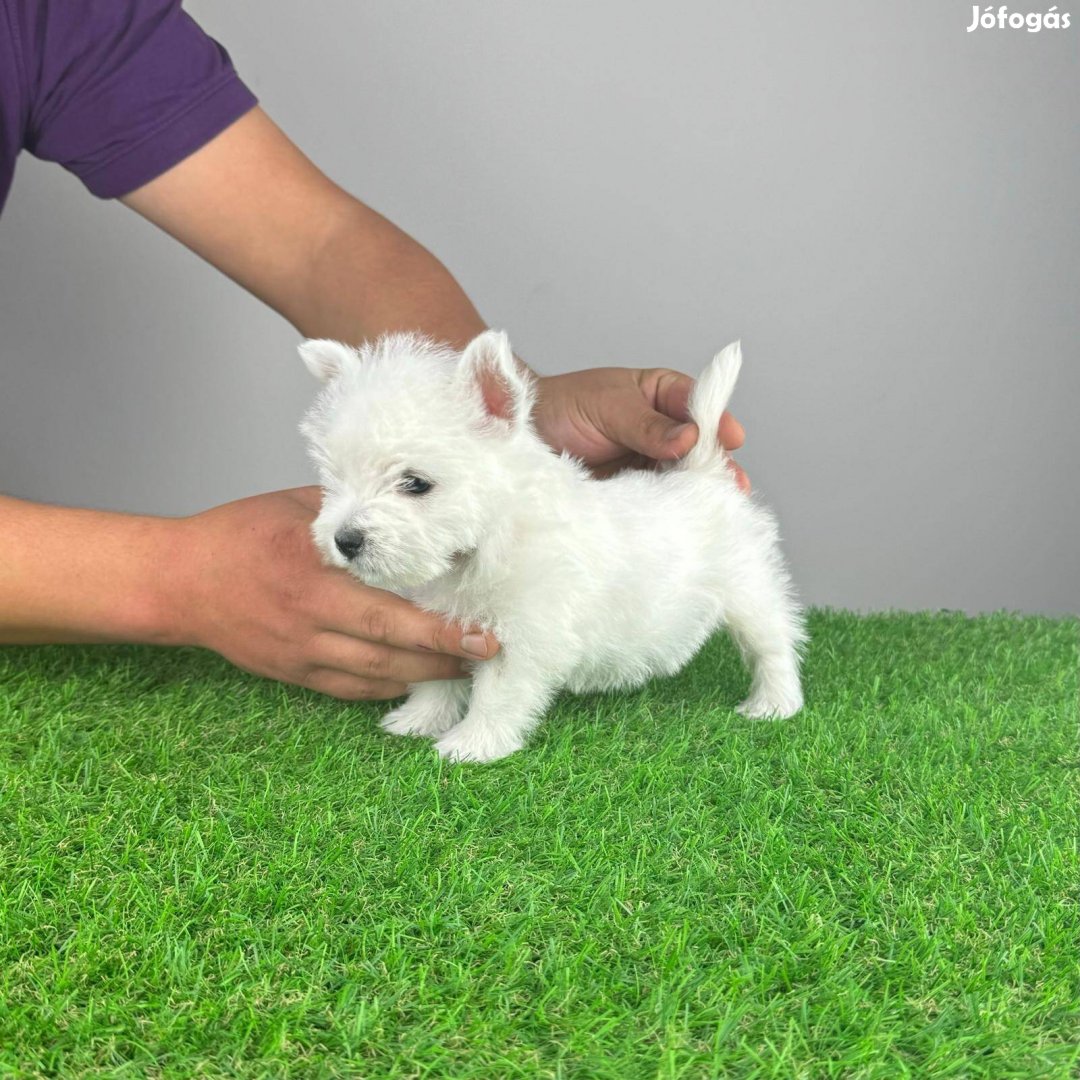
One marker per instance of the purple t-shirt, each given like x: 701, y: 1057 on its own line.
x: 116, y: 91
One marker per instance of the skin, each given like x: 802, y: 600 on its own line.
x: 244, y: 579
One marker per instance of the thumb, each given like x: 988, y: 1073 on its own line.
x: 655, y: 435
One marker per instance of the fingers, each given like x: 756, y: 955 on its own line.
x: 661, y: 424
x: 740, y: 477
x: 668, y: 391
x: 637, y: 427
x: 347, y: 687
x: 671, y: 396
x: 384, y: 663
x: 383, y: 618
x: 732, y: 433
x: 356, y: 670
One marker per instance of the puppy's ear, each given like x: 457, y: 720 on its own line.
x: 488, y: 369
x: 326, y: 359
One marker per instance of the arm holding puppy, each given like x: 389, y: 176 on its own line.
x: 244, y: 579
x: 337, y: 269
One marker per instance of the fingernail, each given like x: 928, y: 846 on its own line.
x: 475, y: 645
x: 675, y: 431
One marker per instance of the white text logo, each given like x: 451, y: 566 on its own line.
x: 1003, y: 19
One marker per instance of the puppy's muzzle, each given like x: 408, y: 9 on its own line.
x: 350, y: 542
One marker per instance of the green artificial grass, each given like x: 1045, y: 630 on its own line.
x: 202, y: 873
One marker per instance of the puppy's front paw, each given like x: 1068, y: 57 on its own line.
x: 421, y: 723
x: 771, y: 706
x: 468, y: 743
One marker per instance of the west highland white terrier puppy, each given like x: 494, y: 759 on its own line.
x: 436, y: 487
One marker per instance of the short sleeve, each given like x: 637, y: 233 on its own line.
x: 122, y: 90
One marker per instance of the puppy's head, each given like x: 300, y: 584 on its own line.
x: 409, y: 439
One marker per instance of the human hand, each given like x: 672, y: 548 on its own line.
x: 251, y: 586
x: 612, y: 418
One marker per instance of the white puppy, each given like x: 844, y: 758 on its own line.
x: 437, y: 487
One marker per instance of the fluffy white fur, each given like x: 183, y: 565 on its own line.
x: 587, y: 584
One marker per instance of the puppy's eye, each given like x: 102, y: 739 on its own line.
x: 415, y: 485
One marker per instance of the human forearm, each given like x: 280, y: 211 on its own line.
x: 71, y: 575
x: 368, y: 277
x: 254, y: 206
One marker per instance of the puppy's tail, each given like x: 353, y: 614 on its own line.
x: 708, y: 400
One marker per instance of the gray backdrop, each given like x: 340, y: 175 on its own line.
x: 883, y: 207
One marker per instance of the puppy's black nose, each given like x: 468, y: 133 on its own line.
x: 349, y: 542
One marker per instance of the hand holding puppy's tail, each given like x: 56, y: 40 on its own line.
x: 708, y: 400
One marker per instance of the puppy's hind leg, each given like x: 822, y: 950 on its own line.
x: 768, y: 627
x: 431, y: 708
